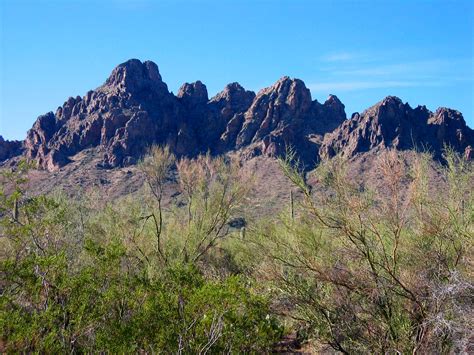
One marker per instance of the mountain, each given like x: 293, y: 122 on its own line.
x: 134, y: 109
x: 284, y: 115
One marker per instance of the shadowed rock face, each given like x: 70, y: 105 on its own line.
x: 9, y: 149
x: 133, y: 109
x: 394, y: 124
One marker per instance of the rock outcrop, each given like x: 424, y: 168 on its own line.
x: 394, y: 124
x: 9, y: 149
x: 130, y: 112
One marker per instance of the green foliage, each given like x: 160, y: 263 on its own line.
x: 366, y: 269
x: 79, y: 279
x: 103, y: 307
x: 377, y: 269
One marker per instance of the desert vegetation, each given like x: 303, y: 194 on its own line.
x: 359, y: 269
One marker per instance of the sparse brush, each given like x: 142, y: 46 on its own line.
x: 366, y: 269
x: 364, y: 266
x: 133, y: 276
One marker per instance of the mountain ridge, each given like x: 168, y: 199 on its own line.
x: 134, y: 109
x: 393, y: 124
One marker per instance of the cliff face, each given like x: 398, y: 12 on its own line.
x: 283, y: 115
x: 133, y: 109
x: 130, y: 112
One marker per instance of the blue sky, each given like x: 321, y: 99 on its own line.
x: 362, y: 51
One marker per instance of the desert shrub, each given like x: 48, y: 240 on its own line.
x: 127, y: 277
x: 211, y: 192
x: 102, y: 307
x: 364, y: 268
x: 372, y: 269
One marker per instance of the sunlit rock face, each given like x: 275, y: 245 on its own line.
x: 133, y: 109
x: 283, y: 116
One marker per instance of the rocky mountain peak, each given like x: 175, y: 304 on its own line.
x: 387, y: 108
x: 233, y: 92
x: 120, y: 116
x: 447, y: 116
x: 193, y: 94
x: 287, y: 91
x: 134, y: 109
x: 273, y: 108
x: 133, y: 76
x: 283, y: 115
x: 233, y: 88
x: 449, y: 127
x: 233, y: 99
x: 334, y: 104
x: 390, y: 101
x: 333, y: 100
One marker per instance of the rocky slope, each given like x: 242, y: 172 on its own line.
x: 134, y: 109
x: 284, y: 115
x: 130, y: 111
